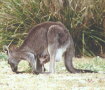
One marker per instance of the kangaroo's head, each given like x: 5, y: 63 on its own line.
x: 12, y: 60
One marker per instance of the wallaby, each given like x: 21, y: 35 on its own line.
x: 51, y: 39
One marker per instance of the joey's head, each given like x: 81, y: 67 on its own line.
x: 12, y: 60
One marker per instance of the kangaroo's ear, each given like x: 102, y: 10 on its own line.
x: 6, y: 49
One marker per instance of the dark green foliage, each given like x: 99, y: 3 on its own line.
x: 83, y: 18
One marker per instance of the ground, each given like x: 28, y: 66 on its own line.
x: 61, y: 80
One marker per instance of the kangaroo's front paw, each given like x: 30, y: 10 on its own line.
x: 34, y: 72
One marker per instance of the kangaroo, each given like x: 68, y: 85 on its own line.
x: 48, y: 38
x: 43, y: 60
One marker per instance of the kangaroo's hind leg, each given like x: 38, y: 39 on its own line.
x: 52, y: 53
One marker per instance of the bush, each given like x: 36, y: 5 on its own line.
x: 83, y: 18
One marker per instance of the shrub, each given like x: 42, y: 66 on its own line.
x: 83, y: 18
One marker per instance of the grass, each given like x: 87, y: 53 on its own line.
x: 61, y: 80
x: 83, y: 18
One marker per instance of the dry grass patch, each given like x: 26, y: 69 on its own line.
x: 61, y: 80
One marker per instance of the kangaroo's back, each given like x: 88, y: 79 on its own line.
x: 37, y: 39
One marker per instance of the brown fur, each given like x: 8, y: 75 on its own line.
x: 47, y: 41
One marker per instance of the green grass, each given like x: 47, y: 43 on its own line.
x: 61, y: 80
